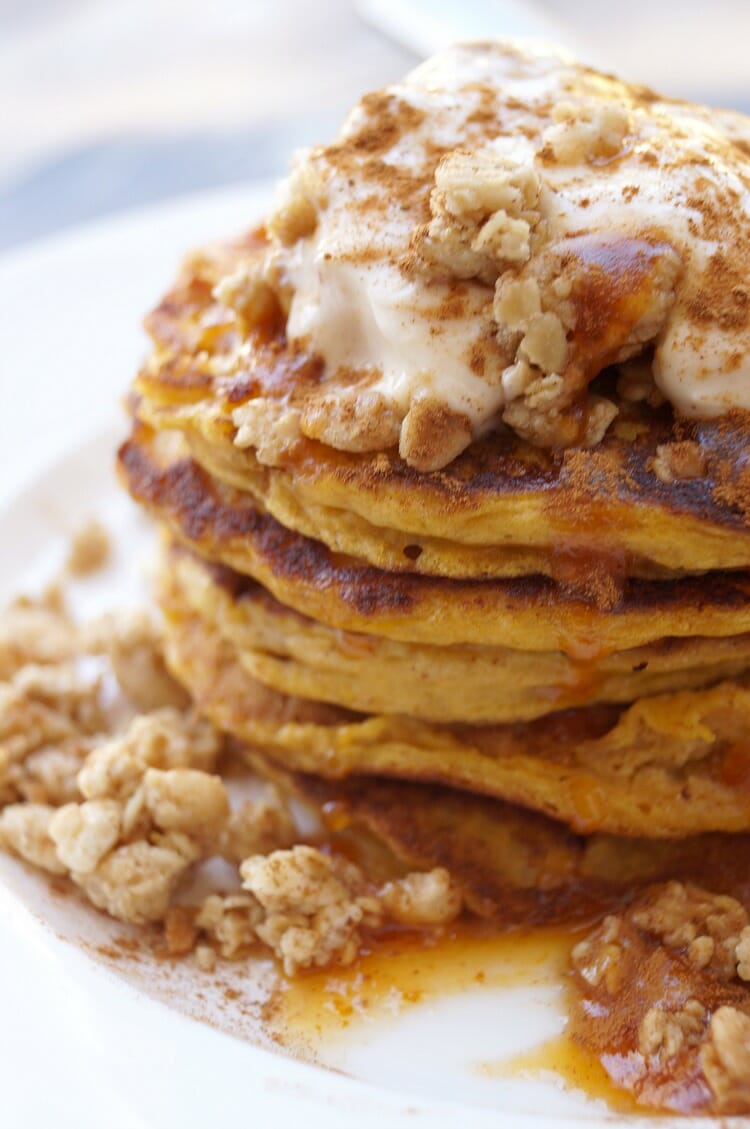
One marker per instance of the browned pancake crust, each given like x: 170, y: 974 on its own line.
x: 530, y: 613
x: 299, y: 656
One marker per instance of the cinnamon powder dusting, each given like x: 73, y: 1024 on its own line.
x: 724, y: 294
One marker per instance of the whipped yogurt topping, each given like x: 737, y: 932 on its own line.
x: 484, y: 237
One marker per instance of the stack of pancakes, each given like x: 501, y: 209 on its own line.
x: 627, y: 715
x: 524, y: 664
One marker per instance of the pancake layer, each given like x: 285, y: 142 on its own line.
x: 526, y: 613
x: 667, y: 766
x: 298, y: 656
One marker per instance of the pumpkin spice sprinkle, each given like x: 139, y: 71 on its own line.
x: 489, y: 235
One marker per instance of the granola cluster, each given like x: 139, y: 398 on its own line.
x: 725, y: 1058
x: 109, y: 777
x: 491, y: 222
x: 711, y: 929
x: 467, y: 256
x: 35, y: 631
x: 309, y: 908
x: 89, y: 550
x: 672, y: 968
x: 585, y: 130
x: 485, y: 207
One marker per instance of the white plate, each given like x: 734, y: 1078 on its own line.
x: 80, y: 1044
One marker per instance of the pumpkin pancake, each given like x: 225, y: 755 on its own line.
x: 668, y: 766
x: 527, y: 613
x: 296, y: 655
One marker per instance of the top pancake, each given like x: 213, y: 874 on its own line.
x: 503, y: 508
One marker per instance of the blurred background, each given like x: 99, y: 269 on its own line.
x: 112, y: 104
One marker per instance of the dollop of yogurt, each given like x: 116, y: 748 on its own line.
x: 442, y: 190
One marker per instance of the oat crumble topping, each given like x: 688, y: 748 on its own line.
x: 90, y: 549
x: 482, y: 240
x: 686, y: 949
x: 675, y: 462
x: 708, y: 927
x: 126, y: 809
x: 725, y: 1058
x: 35, y: 631
x: 664, y: 1033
